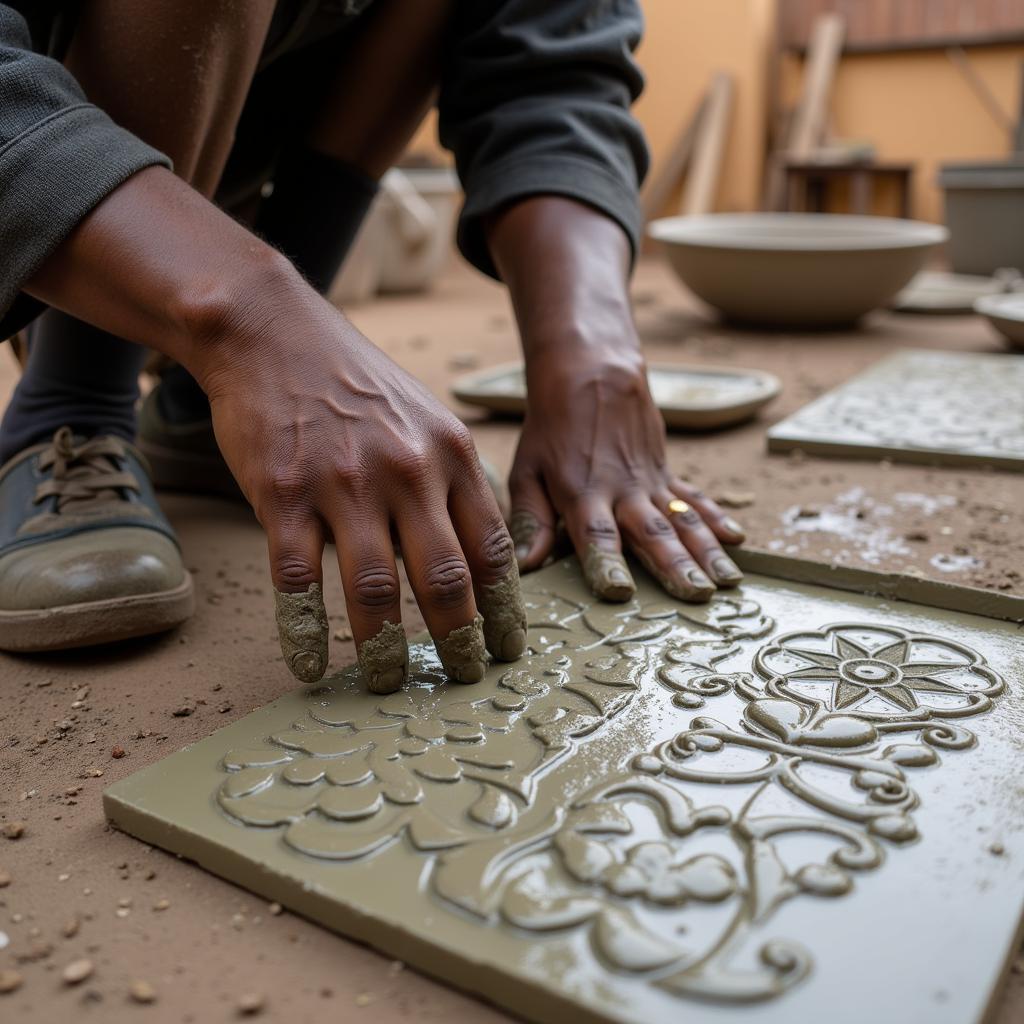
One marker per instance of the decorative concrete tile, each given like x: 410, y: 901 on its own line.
x: 916, y: 406
x: 792, y: 804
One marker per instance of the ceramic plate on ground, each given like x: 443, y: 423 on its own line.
x: 938, y: 292
x: 1006, y: 314
x: 943, y: 408
x: 693, y: 398
x: 790, y: 804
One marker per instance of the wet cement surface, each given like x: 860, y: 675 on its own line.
x: 80, y: 890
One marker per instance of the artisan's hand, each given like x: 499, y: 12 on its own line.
x: 593, y: 446
x: 327, y: 437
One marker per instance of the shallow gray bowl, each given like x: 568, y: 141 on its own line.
x: 1006, y: 314
x: 795, y: 269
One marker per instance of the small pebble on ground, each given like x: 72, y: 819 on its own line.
x: 77, y: 971
x: 251, y: 1003
x: 10, y: 980
x: 142, y: 992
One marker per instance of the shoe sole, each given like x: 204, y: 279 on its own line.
x: 174, y: 470
x: 96, y: 622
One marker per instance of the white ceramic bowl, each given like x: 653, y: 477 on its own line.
x: 1006, y: 314
x: 795, y: 269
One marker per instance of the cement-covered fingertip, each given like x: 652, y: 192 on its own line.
x: 384, y: 659
x: 387, y: 681
x: 463, y: 652
x: 504, y: 617
x: 607, y: 575
x: 523, y: 528
x: 303, y: 632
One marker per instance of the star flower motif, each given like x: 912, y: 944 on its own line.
x: 878, y: 672
x: 887, y: 672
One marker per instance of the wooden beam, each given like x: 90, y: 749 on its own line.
x: 659, y: 187
x: 812, y: 112
x: 709, y: 149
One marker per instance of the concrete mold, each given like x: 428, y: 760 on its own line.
x: 789, y: 804
x: 943, y: 408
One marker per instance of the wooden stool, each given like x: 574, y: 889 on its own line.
x: 807, y: 184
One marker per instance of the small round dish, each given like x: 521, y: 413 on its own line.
x: 1006, y: 314
x: 690, y: 398
x: 936, y: 292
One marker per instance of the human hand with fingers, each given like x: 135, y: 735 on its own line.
x: 329, y: 439
x: 592, y: 452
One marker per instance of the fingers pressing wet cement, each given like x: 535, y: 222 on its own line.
x: 504, y: 616
x: 655, y: 542
x: 463, y: 654
x: 302, y: 629
x: 384, y: 659
x: 696, y: 534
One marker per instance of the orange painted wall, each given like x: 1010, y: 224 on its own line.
x: 688, y: 41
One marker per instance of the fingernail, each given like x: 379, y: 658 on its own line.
x: 733, y: 527
x: 384, y: 659
x: 308, y: 666
x: 463, y: 654
x: 608, y: 575
x: 522, y: 526
x: 387, y: 681
x: 471, y: 672
x: 726, y: 570
x: 504, y: 615
x: 302, y: 631
x: 700, y: 580
x: 522, y: 552
x: 513, y: 645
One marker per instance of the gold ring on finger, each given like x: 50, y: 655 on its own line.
x: 678, y: 507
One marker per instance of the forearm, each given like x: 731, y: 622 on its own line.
x: 158, y: 264
x: 567, y: 270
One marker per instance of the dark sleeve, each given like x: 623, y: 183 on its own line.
x: 59, y: 157
x: 535, y: 99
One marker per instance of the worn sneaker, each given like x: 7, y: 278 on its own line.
x: 86, y: 555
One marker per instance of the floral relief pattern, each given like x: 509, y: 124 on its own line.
x: 827, y: 727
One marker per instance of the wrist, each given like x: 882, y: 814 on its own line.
x: 218, y: 320
x: 605, y: 338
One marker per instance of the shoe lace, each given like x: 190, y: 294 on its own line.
x: 84, y: 474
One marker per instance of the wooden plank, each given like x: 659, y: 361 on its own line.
x: 660, y: 186
x: 812, y: 112
x: 709, y: 148
x: 883, y: 25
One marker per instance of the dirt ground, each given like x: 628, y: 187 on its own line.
x: 72, y: 889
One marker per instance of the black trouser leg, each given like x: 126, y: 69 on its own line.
x: 76, y: 376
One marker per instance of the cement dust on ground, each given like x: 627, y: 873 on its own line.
x: 165, y: 941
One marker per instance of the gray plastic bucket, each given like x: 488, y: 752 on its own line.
x: 985, y: 215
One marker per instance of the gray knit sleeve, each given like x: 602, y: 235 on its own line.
x: 59, y: 157
x: 535, y: 100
